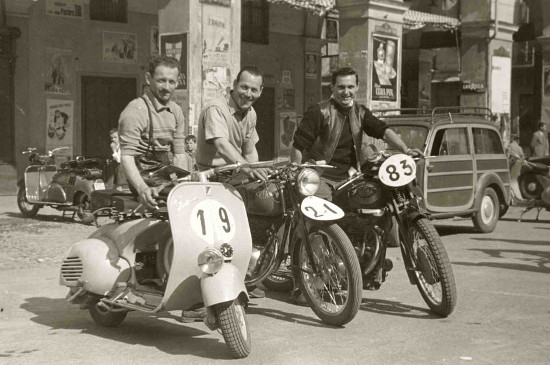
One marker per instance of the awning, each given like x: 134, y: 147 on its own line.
x: 416, y: 19
x: 318, y: 7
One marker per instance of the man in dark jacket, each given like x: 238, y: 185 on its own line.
x: 332, y: 130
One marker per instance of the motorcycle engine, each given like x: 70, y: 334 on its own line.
x: 360, y: 194
x: 262, y: 227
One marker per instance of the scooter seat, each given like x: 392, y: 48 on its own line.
x: 112, y: 198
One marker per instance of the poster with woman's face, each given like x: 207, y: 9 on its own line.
x: 59, y: 128
x: 384, y: 68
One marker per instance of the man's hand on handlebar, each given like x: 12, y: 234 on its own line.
x: 256, y: 173
x: 148, y: 196
x: 415, y: 152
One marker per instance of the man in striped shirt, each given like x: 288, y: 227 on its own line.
x: 167, y: 121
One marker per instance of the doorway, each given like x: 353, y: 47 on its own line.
x: 265, y: 125
x: 446, y: 94
x: 6, y: 110
x: 103, y: 99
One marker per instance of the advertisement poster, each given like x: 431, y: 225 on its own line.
x: 175, y: 45
x: 384, y: 63
x: 287, y: 128
x: 288, y: 99
x: 501, y: 84
x: 216, y: 81
x: 154, y: 39
x: 119, y: 47
x: 545, y: 115
x: 216, y: 37
x: 311, y: 66
x: 66, y: 8
x: 59, y: 125
x: 58, y: 67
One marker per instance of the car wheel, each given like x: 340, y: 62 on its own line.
x: 485, y: 220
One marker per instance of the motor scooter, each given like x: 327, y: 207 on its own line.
x: 66, y: 188
x: 530, y: 184
x: 193, y: 252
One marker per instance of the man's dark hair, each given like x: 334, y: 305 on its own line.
x: 541, y: 124
x: 156, y: 61
x: 113, y: 131
x: 191, y: 137
x: 344, y: 71
x: 253, y: 70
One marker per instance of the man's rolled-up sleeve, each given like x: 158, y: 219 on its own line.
x: 308, y: 129
x: 131, y: 126
x: 214, y: 125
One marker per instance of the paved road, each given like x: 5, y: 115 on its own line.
x: 502, y: 315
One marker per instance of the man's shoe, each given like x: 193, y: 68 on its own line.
x: 197, y: 315
x: 256, y: 293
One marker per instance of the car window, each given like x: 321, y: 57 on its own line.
x: 450, y: 142
x: 413, y: 136
x: 487, y: 141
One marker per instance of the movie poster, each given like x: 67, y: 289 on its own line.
x: 384, y: 65
x: 119, y: 47
x: 58, y: 70
x: 287, y: 127
x: 216, y: 37
x: 175, y: 45
x: 60, y: 124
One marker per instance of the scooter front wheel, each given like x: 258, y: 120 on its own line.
x: 107, y: 318
x: 231, y: 319
x: 28, y: 210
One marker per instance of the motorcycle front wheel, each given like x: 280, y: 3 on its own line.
x: 28, y: 210
x: 332, y: 284
x: 432, y: 268
x: 231, y: 319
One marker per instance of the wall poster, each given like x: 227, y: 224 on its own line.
x: 384, y: 62
x: 216, y: 81
x: 154, y: 39
x: 66, y: 8
x: 311, y: 66
x: 216, y: 37
x: 60, y: 124
x: 175, y: 45
x: 287, y: 127
x: 501, y: 84
x: 58, y: 68
x: 119, y: 47
x: 545, y: 112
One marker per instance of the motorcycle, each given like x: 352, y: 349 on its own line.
x: 295, y: 236
x: 190, y: 253
x: 530, y: 184
x: 383, y: 205
x: 66, y: 188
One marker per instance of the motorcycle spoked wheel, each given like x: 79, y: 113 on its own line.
x: 28, y: 210
x: 433, y: 271
x: 106, y: 318
x: 231, y: 318
x: 83, y: 209
x: 334, y: 290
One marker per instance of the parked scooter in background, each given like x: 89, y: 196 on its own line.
x: 530, y: 183
x: 192, y: 252
x: 66, y: 188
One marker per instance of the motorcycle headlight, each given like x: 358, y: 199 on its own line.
x: 308, y: 181
x: 210, y: 261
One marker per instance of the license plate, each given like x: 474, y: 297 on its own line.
x: 99, y: 186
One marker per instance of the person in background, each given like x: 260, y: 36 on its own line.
x: 190, y: 148
x: 539, y: 142
x: 118, y: 179
x: 514, y: 148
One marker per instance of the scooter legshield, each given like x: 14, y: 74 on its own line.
x: 206, y: 215
x: 228, y: 278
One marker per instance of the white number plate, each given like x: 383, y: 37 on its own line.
x: 398, y: 170
x: 213, y: 222
x: 320, y: 209
x: 99, y: 186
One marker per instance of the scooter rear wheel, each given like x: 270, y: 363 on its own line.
x: 28, y: 210
x: 231, y: 319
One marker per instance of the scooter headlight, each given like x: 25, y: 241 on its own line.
x: 210, y: 261
x: 308, y: 182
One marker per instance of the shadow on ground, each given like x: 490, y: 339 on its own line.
x: 381, y: 306
x: 48, y: 218
x: 448, y: 230
x: 137, y: 329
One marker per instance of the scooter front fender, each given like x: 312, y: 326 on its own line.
x: 224, y: 286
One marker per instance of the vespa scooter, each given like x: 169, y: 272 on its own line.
x: 192, y: 253
x: 66, y: 188
x: 530, y: 184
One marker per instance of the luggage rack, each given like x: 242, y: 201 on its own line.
x: 436, y: 113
